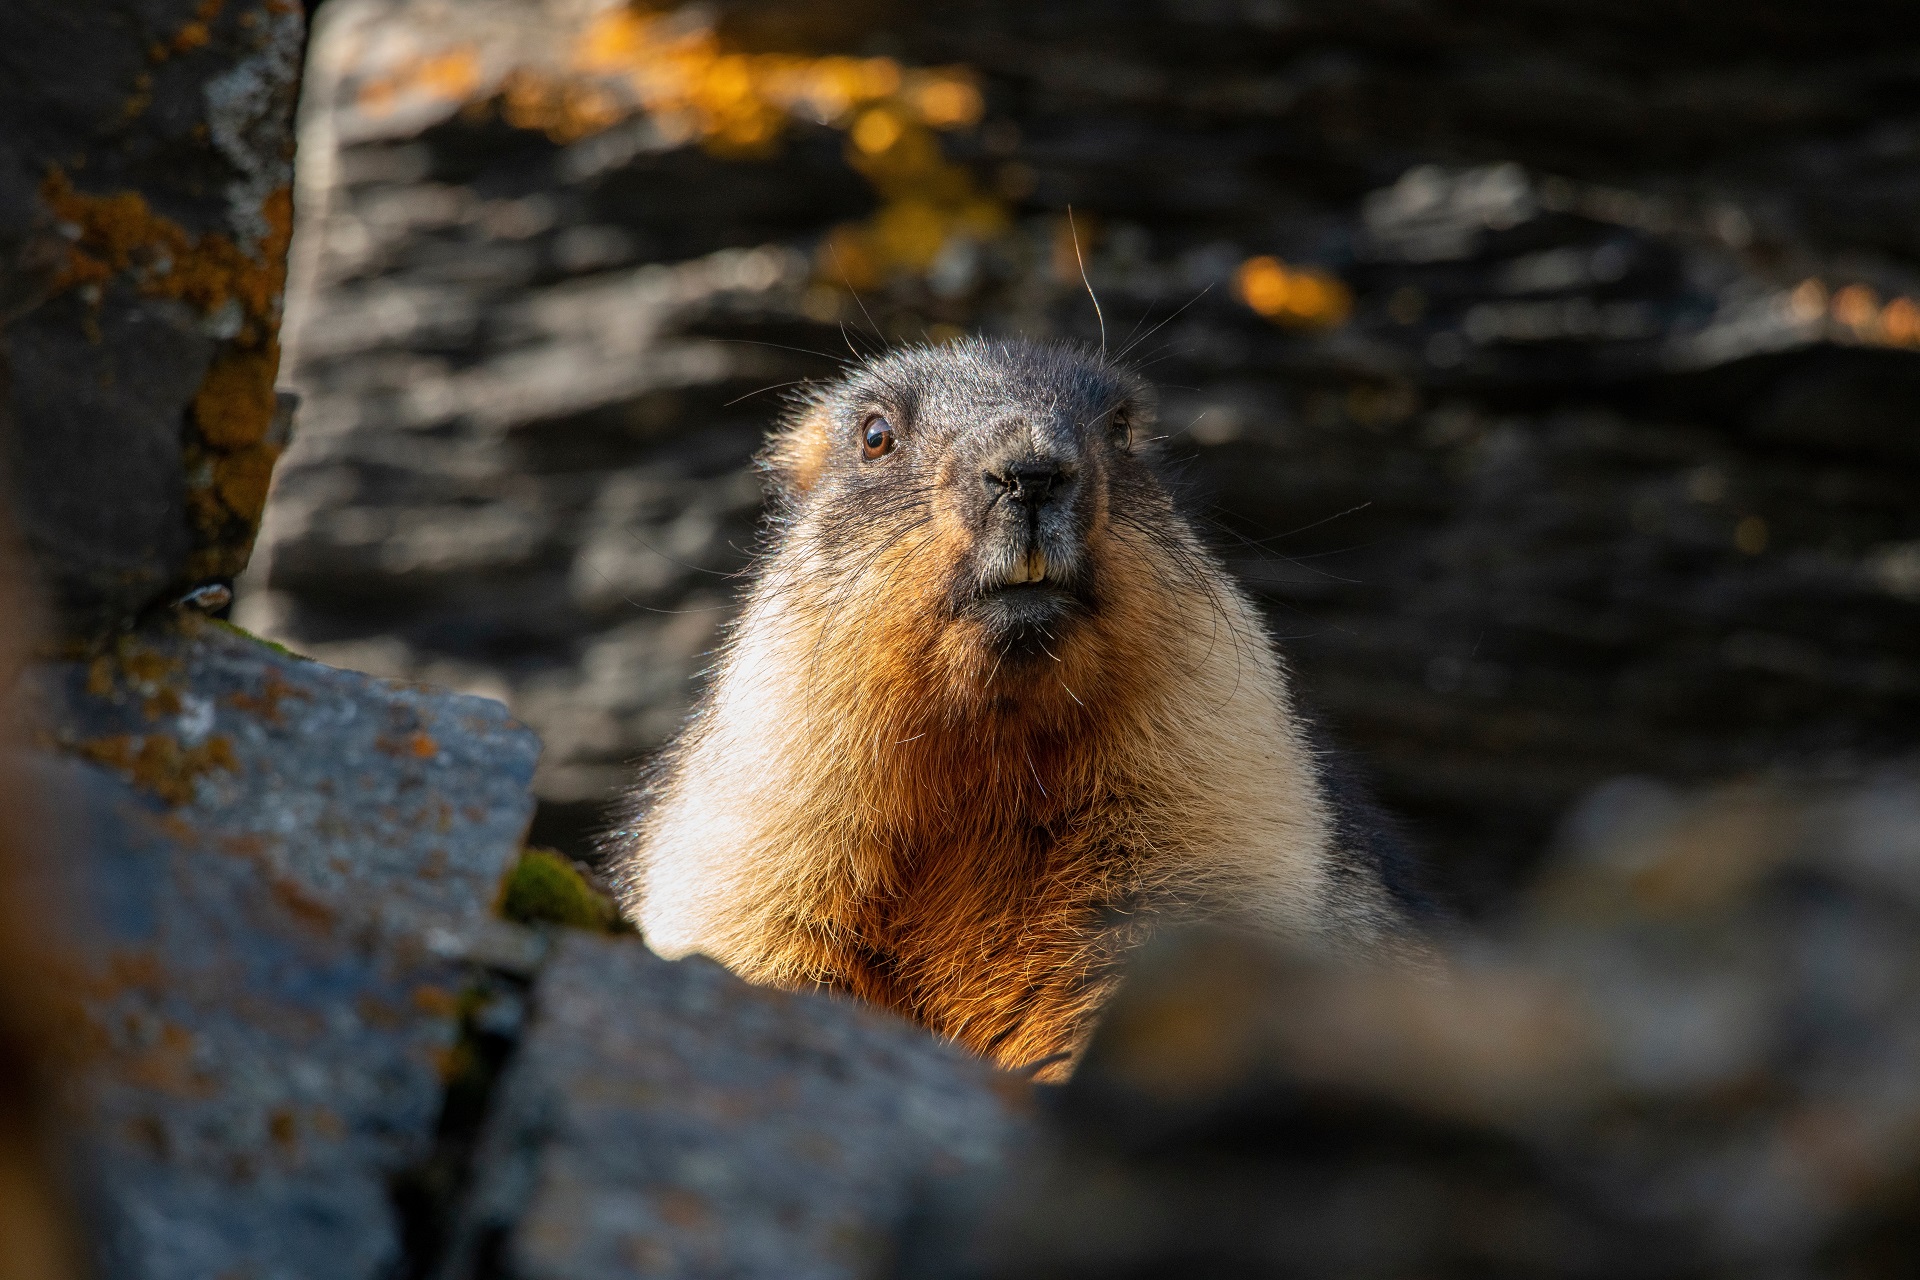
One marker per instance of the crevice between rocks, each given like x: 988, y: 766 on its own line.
x: 430, y: 1195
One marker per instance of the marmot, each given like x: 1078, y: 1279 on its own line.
x: 991, y: 709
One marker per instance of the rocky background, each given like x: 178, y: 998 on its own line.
x: 1548, y: 372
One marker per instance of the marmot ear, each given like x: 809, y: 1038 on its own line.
x: 796, y: 453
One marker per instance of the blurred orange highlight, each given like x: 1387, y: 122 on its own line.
x: 1300, y: 297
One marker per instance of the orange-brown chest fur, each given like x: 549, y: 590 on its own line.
x: 885, y: 797
x: 996, y: 891
x: 998, y: 832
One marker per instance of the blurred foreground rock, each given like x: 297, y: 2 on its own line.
x: 1690, y: 1055
x: 668, y: 1119
x: 1549, y: 376
x: 275, y: 871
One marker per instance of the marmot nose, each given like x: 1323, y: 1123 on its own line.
x: 1029, y: 481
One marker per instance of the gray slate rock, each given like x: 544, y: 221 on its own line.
x: 667, y: 1119
x: 145, y: 170
x: 271, y: 967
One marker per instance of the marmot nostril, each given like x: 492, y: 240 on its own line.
x: 958, y: 766
x: 1029, y: 481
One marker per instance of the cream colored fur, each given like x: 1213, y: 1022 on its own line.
x: 1239, y: 830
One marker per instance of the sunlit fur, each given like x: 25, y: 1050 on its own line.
x: 882, y: 794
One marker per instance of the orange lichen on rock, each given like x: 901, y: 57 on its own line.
x: 563, y: 110
x: 146, y: 666
x: 230, y: 466
x: 266, y: 704
x: 420, y: 746
x: 161, y: 705
x: 1900, y: 323
x: 1854, y: 313
x: 740, y: 100
x: 144, y: 670
x: 100, y: 676
x: 242, y: 479
x: 169, y: 1065
x: 193, y: 34
x: 928, y: 202
x: 624, y: 62
x: 449, y: 75
x: 120, y: 233
x: 234, y: 406
x: 158, y: 765
x: 740, y: 103
x: 234, y: 409
x: 304, y: 906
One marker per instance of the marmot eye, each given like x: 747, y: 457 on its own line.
x: 876, y: 437
x: 1120, y: 427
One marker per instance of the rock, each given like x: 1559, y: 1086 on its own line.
x: 668, y: 1119
x: 1685, y: 1057
x: 145, y: 213
x: 1564, y: 440
x: 276, y: 869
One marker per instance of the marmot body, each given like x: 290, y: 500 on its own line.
x: 990, y: 710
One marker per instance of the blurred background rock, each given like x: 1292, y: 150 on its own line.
x: 1546, y: 370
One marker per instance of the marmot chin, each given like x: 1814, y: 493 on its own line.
x: 991, y: 709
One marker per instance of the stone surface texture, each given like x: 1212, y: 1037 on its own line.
x: 276, y: 868
x: 1577, y: 442
x: 667, y: 1119
x: 145, y: 209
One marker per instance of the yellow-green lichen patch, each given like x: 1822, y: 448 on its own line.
x: 245, y: 634
x: 545, y: 888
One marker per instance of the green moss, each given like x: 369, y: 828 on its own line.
x: 245, y: 634
x: 546, y: 888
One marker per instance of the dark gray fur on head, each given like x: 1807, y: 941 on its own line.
x: 1027, y: 444
x: 978, y: 387
x: 964, y: 417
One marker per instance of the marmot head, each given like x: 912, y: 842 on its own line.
x: 999, y: 496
